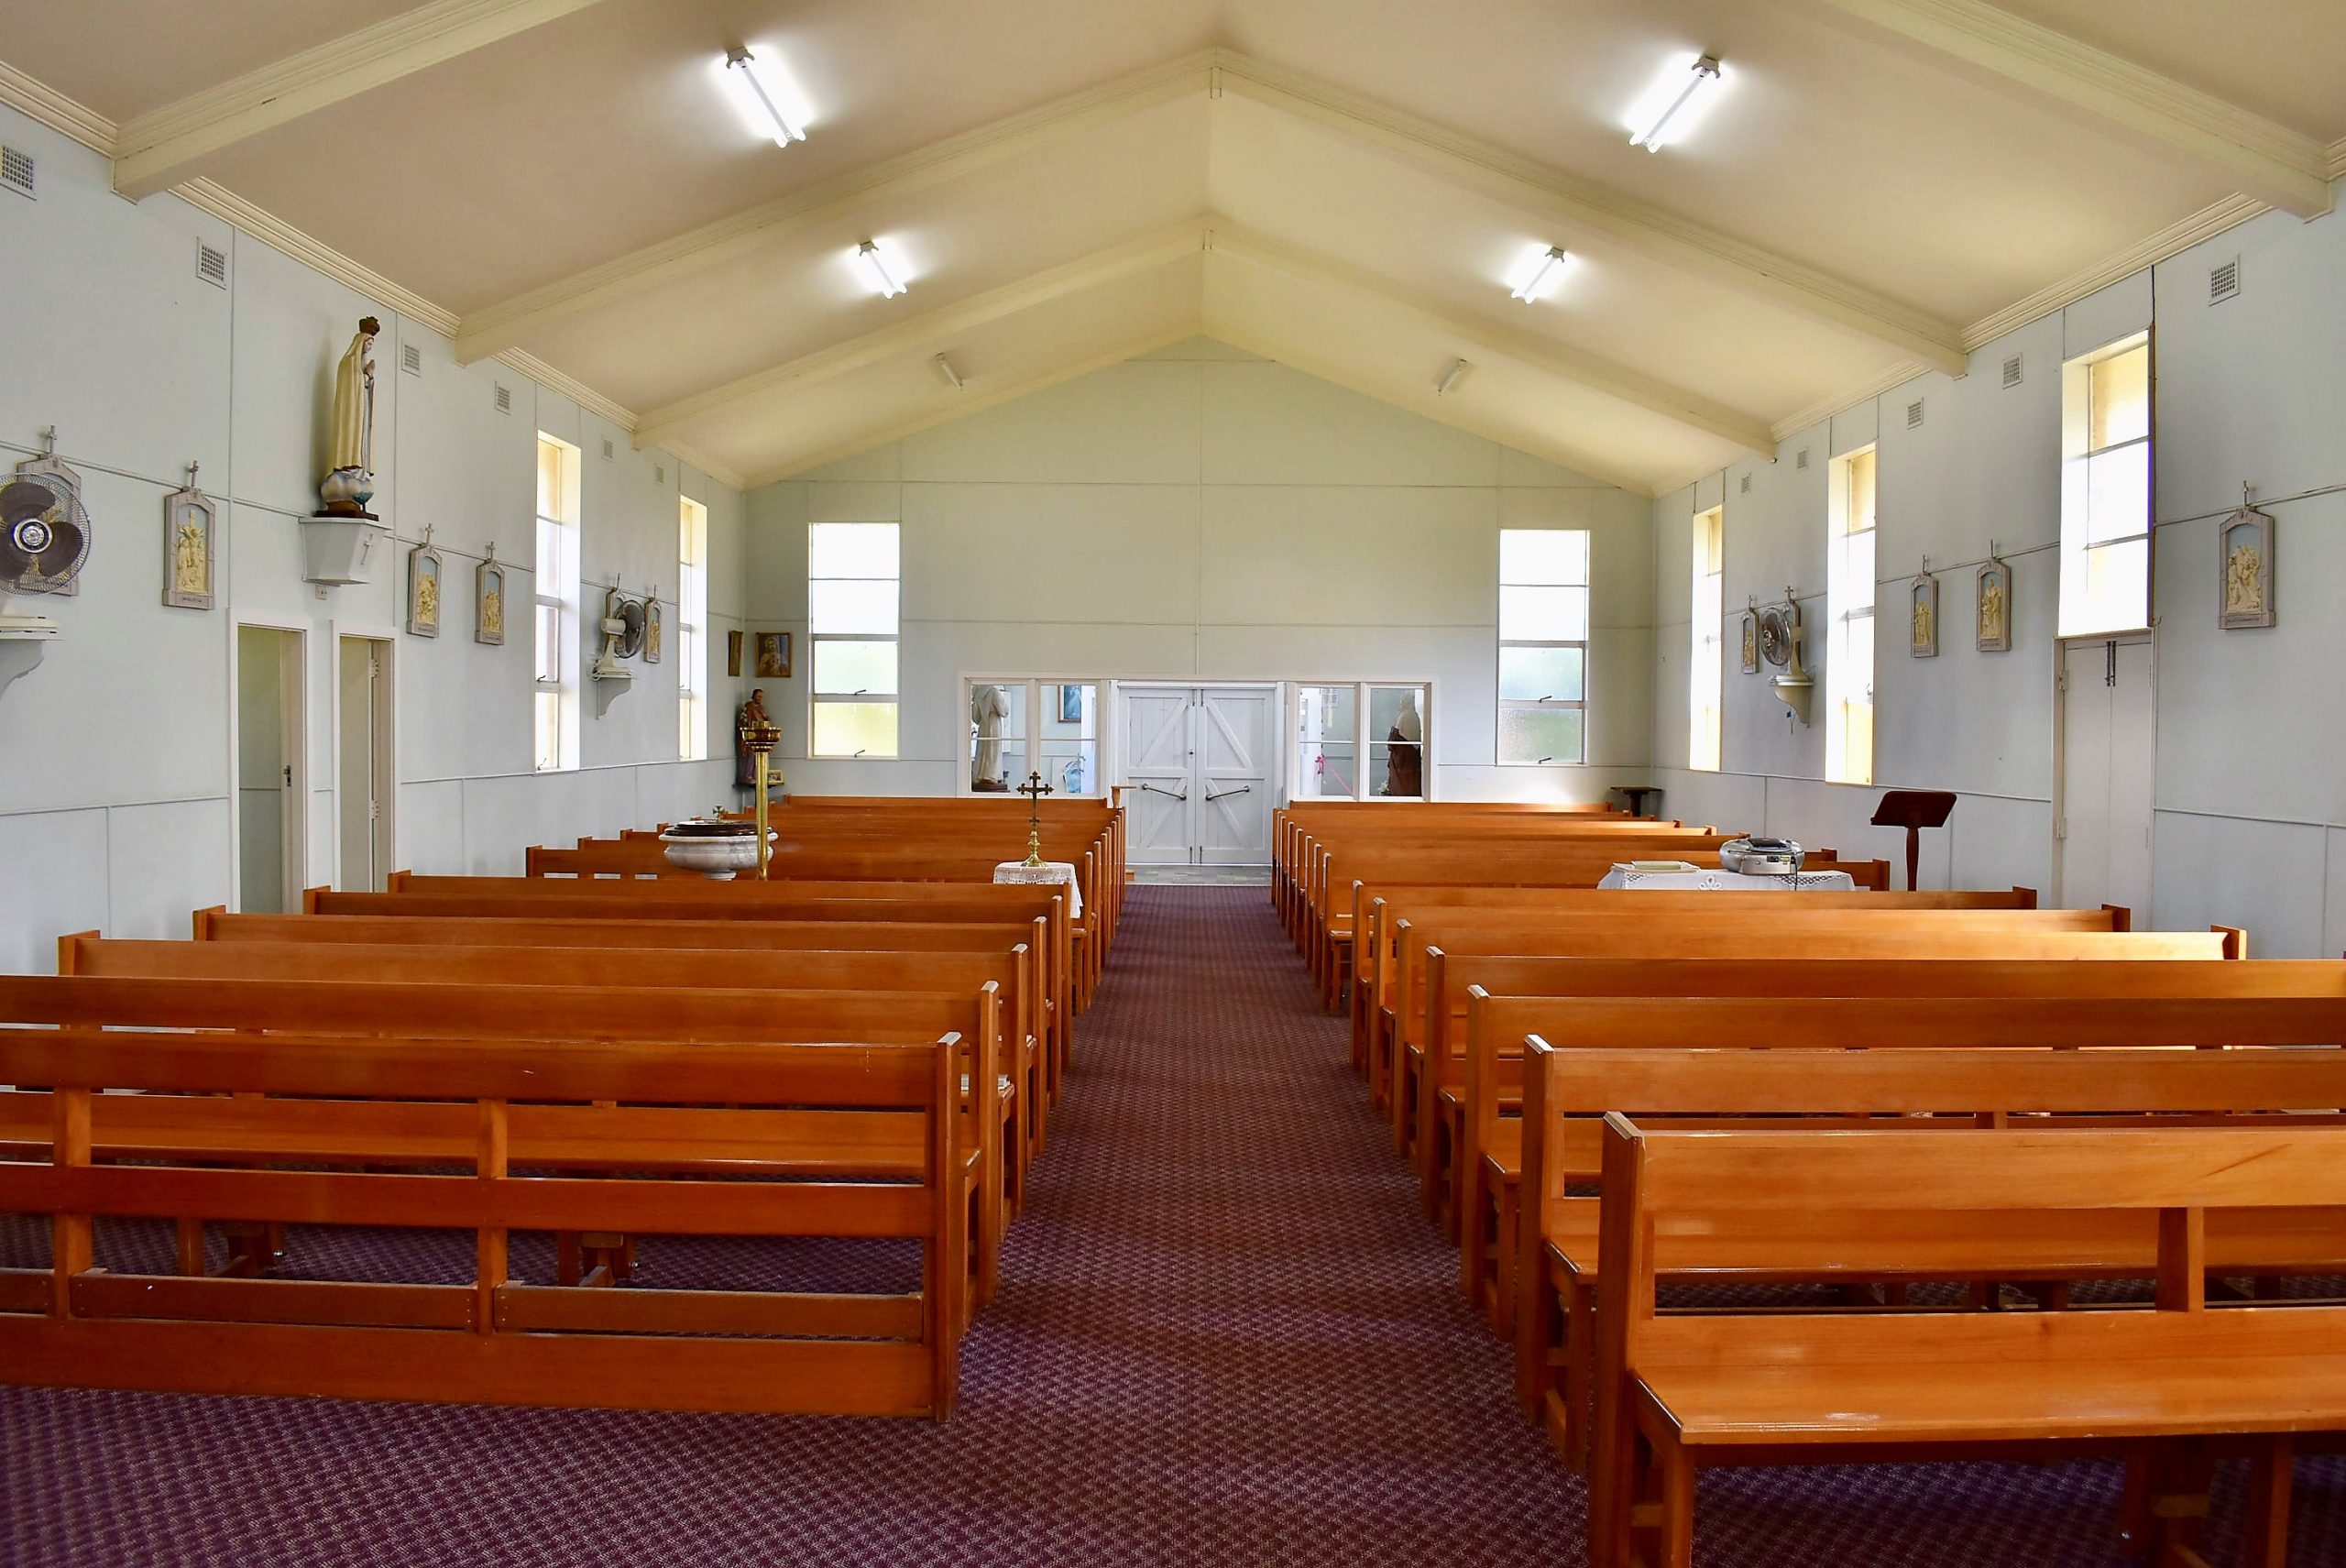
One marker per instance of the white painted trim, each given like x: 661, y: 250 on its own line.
x: 40, y: 102
x: 154, y: 151
x: 1550, y: 193
x: 314, y: 253
x: 2172, y: 240
x: 964, y: 406
x: 1145, y: 254
x: 507, y: 322
x: 2269, y: 162
x: 1598, y: 374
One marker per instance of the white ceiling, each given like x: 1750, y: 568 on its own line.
x: 1356, y: 182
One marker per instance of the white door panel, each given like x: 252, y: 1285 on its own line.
x: 1233, y: 776
x: 1197, y: 773
x: 2106, y: 757
x: 1156, y: 777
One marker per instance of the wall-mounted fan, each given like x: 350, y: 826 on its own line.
x: 1781, y: 633
x: 630, y: 613
x: 622, y: 628
x: 44, y: 535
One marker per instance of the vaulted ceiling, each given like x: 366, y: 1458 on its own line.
x: 1346, y: 186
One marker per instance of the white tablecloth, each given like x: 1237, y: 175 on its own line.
x: 1717, y: 881
x: 1050, y: 873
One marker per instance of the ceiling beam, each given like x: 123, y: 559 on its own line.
x: 928, y: 329
x: 154, y: 151
x: 963, y: 405
x: 1488, y: 338
x: 1540, y: 191
x: 508, y: 321
x: 2278, y: 166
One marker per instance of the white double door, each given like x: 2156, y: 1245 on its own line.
x: 1199, y: 773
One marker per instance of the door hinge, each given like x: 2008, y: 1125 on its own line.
x: 2060, y: 829
x: 288, y: 775
x: 2061, y: 680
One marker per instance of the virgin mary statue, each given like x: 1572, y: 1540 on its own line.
x: 350, y: 453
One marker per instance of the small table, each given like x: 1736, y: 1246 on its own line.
x: 1050, y: 874
x: 1716, y: 880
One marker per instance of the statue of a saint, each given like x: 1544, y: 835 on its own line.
x: 989, y: 706
x: 1404, y: 750
x: 350, y: 449
x: 751, y: 717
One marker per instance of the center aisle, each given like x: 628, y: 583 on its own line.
x: 1225, y: 1336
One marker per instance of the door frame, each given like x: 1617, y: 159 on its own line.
x: 295, y: 857
x: 2148, y: 637
x: 387, y: 739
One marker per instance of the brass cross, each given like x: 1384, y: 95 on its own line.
x: 1034, y: 789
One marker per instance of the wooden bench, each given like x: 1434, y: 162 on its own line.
x: 506, y: 1114
x: 881, y: 973
x: 560, y: 1017
x: 1705, y: 1389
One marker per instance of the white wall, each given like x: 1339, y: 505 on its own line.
x: 116, y: 753
x: 1205, y: 513
x: 2251, y: 789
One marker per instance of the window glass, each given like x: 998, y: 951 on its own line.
x: 1543, y: 645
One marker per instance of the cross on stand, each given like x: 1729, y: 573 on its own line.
x: 1034, y: 789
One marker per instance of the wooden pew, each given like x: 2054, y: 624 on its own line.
x: 1423, y: 1071
x: 415, y: 897
x: 1292, y: 823
x: 493, y: 1339
x: 1026, y: 943
x: 1702, y: 1389
x: 563, y: 1017
x: 1568, y: 1093
x: 883, y: 973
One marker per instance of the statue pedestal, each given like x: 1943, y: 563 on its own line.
x: 341, y: 551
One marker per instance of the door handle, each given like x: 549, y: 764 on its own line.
x: 1225, y: 794
x: 1166, y: 792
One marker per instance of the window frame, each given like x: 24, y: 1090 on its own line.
x: 815, y: 698
x: 2077, y: 549
x: 1706, y: 643
x: 1505, y: 704
x: 554, y: 699
x: 1362, y: 699
x: 692, y: 631
x: 1033, y: 738
x: 1842, y: 615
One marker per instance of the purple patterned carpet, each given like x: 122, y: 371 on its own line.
x: 1225, y: 1336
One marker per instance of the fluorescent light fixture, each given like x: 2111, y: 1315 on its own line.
x: 765, y: 97
x: 1669, y: 109
x: 876, y: 267
x: 1450, y: 377
x: 945, y: 368
x: 1550, y: 264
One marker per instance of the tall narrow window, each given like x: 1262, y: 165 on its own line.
x: 692, y: 643
x: 1848, y: 608
x: 1543, y: 646
x: 555, y: 697
x: 2106, y: 490
x: 852, y: 608
x: 1706, y: 646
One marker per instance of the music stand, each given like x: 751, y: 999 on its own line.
x: 1914, y: 809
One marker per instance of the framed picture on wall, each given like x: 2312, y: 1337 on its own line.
x: 774, y: 656
x: 2244, y: 561
x: 489, y: 602
x: 1923, y: 616
x: 733, y: 655
x: 1992, y: 614
x: 188, y: 516
x: 423, y: 589
x: 1071, y: 704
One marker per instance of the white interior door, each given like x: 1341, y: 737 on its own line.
x: 271, y: 835
x: 1232, y: 785
x: 1157, y: 797
x: 362, y: 775
x: 2102, y: 830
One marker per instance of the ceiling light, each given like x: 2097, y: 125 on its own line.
x: 945, y: 368
x: 765, y: 95
x: 1450, y: 377
x: 1551, y: 262
x: 876, y: 267
x: 1668, y: 107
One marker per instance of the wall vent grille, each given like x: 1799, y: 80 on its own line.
x: 504, y: 398
x: 1914, y: 415
x: 659, y: 472
x: 212, y: 265
x: 17, y: 171
x: 2011, y: 371
x: 1744, y: 487
x: 2223, y: 281
x: 410, y: 360
x: 1799, y: 460
x: 607, y: 449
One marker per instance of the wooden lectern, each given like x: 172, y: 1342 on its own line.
x: 1636, y: 795
x: 1914, y: 809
